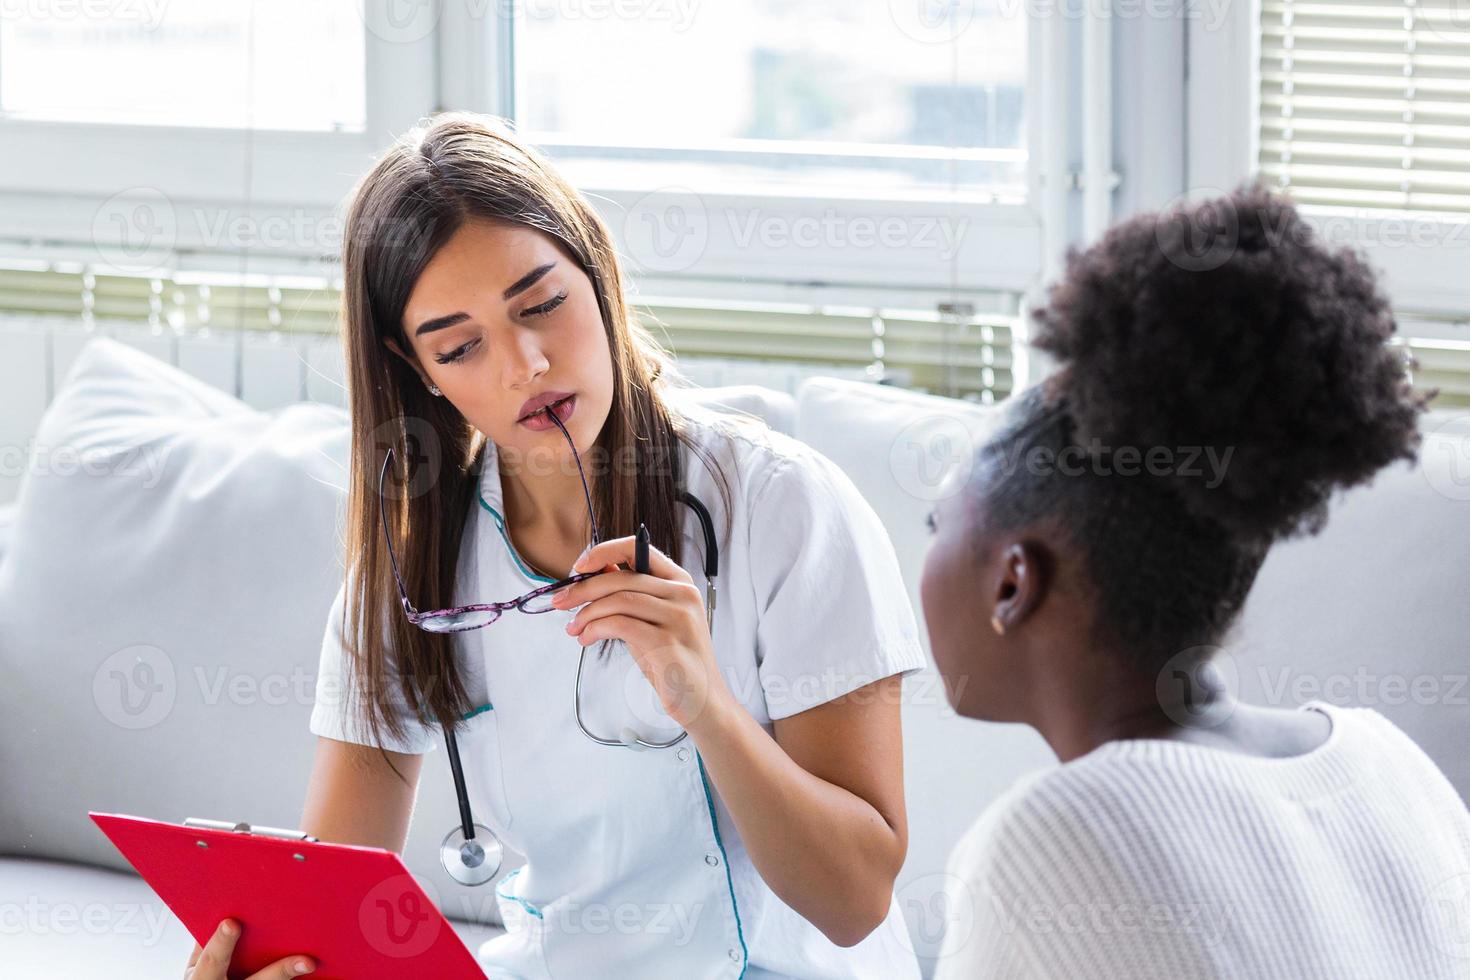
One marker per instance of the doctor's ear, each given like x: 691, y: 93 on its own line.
x: 392, y: 345
x: 1019, y: 586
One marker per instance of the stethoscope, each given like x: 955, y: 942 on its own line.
x: 471, y: 853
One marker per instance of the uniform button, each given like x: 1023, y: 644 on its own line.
x: 713, y: 860
x: 735, y: 955
x: 683, y: 755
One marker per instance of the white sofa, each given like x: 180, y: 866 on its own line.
x: 1377, y: 598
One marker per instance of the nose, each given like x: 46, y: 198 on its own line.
x: 523, y: 360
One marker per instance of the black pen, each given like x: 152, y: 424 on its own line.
x: 640, y: 551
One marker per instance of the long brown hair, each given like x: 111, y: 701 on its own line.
x: 432, y: 180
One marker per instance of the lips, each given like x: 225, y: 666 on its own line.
x: 540, y: 401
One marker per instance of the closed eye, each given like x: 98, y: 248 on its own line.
x: 457, y: 354
x: 542, y: 309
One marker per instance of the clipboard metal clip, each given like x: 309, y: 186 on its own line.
x: 244, y: 828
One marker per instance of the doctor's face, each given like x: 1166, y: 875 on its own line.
x: 501, y: 314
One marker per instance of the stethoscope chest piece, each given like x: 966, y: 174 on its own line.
x: 471, y: 861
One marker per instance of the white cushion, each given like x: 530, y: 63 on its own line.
x: 1373, y: 611
x: 776, y: 408
x: 899, y: 447
x: 161, y: 604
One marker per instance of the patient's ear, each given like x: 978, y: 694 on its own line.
x: 1022, y: 578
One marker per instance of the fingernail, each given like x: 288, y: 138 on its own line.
x: 301, y: 966
x: 228, y: 928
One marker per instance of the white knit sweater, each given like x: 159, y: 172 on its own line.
x: 1150, y: 858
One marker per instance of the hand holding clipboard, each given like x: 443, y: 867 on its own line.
x: 355, y: 913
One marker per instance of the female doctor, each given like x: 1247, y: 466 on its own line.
x: 700, y: 788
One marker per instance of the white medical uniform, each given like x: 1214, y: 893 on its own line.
x: 634, y: 866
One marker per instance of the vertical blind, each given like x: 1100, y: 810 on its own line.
x: 1366, y: 103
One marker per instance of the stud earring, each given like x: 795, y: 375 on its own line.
x: 434, y: 390
x: 997, y: 625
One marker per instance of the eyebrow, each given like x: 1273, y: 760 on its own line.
x: 514, y: 289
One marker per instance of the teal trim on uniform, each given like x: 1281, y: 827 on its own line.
x: 533, y: 910
x: 487, y: 706
x: 500, y: 524
x: 729, y: 881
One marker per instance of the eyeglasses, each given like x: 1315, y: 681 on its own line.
x: 461, y: 618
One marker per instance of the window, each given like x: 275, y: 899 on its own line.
x: 868, y: 96
x: 189, y: 63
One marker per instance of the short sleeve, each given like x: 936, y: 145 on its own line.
x: 833, y: 614
x: 336, y: 715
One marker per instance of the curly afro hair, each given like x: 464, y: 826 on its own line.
x: 1223, y: 324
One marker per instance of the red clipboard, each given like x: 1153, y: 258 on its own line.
x: 356, y: 910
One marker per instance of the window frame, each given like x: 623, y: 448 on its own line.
x: 57, y: 175
x: 1422, y: 256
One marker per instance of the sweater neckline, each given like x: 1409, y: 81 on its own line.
x: 1327, y: 767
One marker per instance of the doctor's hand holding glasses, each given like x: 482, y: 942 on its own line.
x: 658, y: 614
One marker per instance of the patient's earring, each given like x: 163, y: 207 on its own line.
x: 997, y: 625
x: 434, y: 390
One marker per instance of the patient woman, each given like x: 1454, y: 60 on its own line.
x: 1083, y: 571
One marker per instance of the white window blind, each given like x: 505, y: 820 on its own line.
x: 1366, y: 103
x: 959, y: 352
